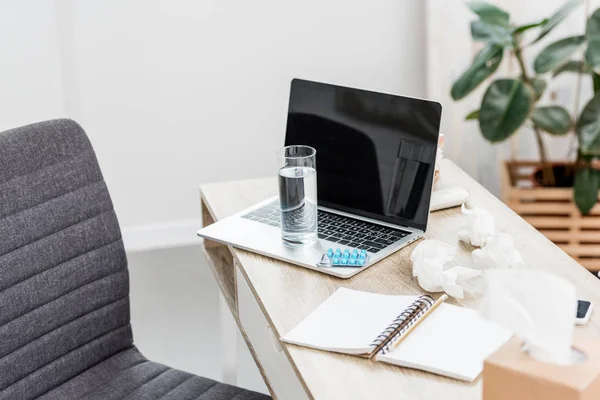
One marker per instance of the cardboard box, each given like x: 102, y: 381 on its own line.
x: 511, y: 374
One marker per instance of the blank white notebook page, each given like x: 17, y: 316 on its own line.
x: 348, y: 321
x: 452, y: 341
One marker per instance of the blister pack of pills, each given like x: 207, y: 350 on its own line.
x: 344, y: 258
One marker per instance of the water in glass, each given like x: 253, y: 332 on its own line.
x: 298, y: 201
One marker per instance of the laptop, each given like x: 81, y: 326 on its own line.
x: 375, y: 164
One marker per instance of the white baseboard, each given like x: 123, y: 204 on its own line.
x: 161, y: 236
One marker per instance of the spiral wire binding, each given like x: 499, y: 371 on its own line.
x: 402, y: 322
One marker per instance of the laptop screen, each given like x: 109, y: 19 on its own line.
x: 375, y: 152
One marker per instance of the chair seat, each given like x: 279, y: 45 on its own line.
x: 129, y: 375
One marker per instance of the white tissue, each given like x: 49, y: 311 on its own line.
x: 479, y: 227
x: 537, y: 306
x: 498, y: 252
x: 429, y: 259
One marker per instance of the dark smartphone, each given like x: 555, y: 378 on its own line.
x: 584, y: 309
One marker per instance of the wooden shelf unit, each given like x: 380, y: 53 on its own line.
x: 553, y: 212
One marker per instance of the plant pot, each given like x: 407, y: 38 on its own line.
x: 562, y: 176
x: 553, y: 212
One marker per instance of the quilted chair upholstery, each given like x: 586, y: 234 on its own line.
x: 64, y: 288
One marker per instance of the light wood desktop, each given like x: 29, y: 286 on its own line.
x: 267, y: 298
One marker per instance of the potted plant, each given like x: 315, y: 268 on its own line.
x: 554, y: 197
x: 556, y: 58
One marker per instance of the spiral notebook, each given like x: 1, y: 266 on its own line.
x: 452, y: 341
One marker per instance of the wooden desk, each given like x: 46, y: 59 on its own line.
x: 285, y: 294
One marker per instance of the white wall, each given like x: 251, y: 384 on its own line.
x: 174, y: 93
x: 30, y: 73
x: 178, y: 93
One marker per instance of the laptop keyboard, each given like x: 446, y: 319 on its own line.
x: 338, y: 229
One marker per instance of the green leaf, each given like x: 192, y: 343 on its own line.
x: 484, y: 32
x: 539, y: 86
x: 587, y: 183
x: 593, y: 24
x: 588, y: 127
x: 489, y: 13
x: 504, y: 108
x: 596, y: 80
x: 472, y: 115
x: 592, y: 53
x: 552, y: 119
x: 572, y: 66
x: 557, y: 53
x: 557, y: 17
x: 485, y: 63
x: 523, y: 28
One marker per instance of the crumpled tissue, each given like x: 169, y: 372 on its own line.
x: 479, y: 228
x: 429, y: 259
x: 537, y: 306
x: 498, y: 252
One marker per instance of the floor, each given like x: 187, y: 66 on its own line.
x: 174, y: 314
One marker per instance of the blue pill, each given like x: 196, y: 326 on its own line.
x: 352, y: 261
x: 362, y: 257
x: 361, y: 261
x: 336, y: 260
x: 354, y: 256
x: 363, y: 251
x: 355, y: 251
x: 346, y: 256
x: 329, y: 252
x: 346, y: 251
x: 344, y: 261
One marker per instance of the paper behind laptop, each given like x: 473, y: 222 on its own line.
x: 348, y: 321
x: 453, y: 341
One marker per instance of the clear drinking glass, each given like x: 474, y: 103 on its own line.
x: 298, y: 195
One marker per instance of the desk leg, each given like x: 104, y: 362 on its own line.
x: 229, y: 332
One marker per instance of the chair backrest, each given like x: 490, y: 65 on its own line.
x: 64, y: 285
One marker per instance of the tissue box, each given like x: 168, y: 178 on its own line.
x: 510, y: 373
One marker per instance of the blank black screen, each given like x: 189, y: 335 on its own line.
x: 375, y: 152
x: 582, y: 306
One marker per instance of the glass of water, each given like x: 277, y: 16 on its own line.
x: 298, y: 195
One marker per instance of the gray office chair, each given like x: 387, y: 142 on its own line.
x: 64, y: 285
